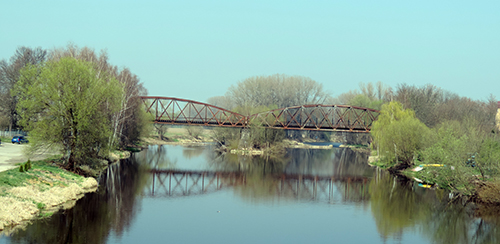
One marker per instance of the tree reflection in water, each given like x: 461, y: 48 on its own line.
x: 306, y: 176
x: 95, y: 216
x: 399, y: 205
x: 303, y: 175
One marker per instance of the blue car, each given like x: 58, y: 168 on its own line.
x: 19, y: 139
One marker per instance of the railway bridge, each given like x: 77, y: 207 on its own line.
x: 314, y: 117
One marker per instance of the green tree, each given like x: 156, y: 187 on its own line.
x: 9, y: 76
x: 365, y: 102
x: 128, y: 122
x: 398, y: 133
x: 66, y: 103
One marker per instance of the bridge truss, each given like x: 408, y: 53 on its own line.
x: 318, y: 117
x: 175, y: 183
x: 168, y: 110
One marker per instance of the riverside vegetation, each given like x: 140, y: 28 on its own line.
x: 38, y: 189
x: 463, y: 155
x: 72, y: 99
x: 69, y: 100
x: 417, y: 125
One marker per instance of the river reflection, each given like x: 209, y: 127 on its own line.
x: 194, y: 195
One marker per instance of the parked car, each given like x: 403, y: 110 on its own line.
x: 19, y: 139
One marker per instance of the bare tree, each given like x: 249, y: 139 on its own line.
x: 221, y: 101
x: 279, y: 90
x: 9, y: 76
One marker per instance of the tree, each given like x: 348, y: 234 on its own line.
x: 128, y: 122
x: 65, y: 103
x: 365, y: 102
x: 9, y: 76
x: 221, y: 101
x: 398, y: 133
x: 280, y: 90
x: 368, y: 96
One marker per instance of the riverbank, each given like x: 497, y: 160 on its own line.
x: 39, y: 192
x: 477, y: 189
x: 181, y: 136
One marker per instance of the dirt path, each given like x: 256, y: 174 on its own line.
x: 11, y: 154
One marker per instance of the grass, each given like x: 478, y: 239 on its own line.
x: 40, y: 206
x: 42, y: 172
x: 4, y: 139
x: 46, y: 214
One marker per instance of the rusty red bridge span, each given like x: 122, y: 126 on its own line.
x: 316, y: 117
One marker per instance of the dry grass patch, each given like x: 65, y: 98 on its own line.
x: 26, y: 195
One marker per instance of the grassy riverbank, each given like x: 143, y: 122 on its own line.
x: 476, y: 184
x: 38, y: 192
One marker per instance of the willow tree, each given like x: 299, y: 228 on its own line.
x: 66, y: 103
x: 398, y: 133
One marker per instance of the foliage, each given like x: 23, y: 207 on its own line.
x: 9, y: 76
x: 194, y: 130
x: 228, y: 137
x: 365, y: 102
x: 488, y: 159
x: 369, y: 96
x: 66, y: 103
x: 261, y: 137
x: 398, y: 134
x: 128, y: 122
x: 453, y: 144
x: 432, y: 106
x: 280, y: 90
x: 449, y: 147
x: 250, y: 110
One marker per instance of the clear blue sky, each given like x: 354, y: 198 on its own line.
x: 197, y: 49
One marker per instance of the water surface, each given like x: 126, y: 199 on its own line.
x: 177, y: 194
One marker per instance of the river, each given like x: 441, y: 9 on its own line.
x: 175, y: 194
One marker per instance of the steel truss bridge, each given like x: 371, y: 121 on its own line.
x: 317, y: 117
x: 177, y: 183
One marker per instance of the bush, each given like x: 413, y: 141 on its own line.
x: 194, y: 131
x: 398, y: 134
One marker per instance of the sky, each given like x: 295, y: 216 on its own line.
x: 198, y: 49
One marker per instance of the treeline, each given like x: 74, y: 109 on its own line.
x: 427, y: 125
x: 263, y: 93
x: 73, y: 99
x: 260, y: 93
x: 429, y: 107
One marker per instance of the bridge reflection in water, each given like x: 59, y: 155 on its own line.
x: 332, y: 189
